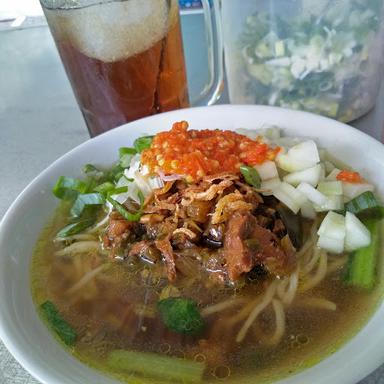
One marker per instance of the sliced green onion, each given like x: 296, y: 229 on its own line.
x: 72, y: 229
x: 109, y: 189
x: 168, y: 368
x: 117, y: 191
x: 104, y: 187
x: 115, y: 173
x: 142, y: 143
x: 361, y: 267
x: 67, y: 188
x: 127, y: 151
x: 90, y: 168
x: 118, y: 175
x: 61, y: 327
x: 128, y: 179
x: 365, y: 205
x: 251, y: 176
x: 85, y: 200
x: 141, y: 198
x: 91, y: 183
x: 124, y: 212
x: 126, y: 155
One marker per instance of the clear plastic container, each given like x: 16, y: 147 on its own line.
x: 323, y: 56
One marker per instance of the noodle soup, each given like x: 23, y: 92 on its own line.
x: 189, y: 277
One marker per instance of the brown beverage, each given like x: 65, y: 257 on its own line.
x: 124, y: 59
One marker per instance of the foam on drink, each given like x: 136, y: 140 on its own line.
x: 124, y: 28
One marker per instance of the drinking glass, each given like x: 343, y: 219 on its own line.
x: 124, y: 58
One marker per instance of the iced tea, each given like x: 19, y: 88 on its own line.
x: 124, y: 59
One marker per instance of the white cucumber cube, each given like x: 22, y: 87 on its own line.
x: 332, y: 233
x: 330, y: 244
x: 357, y: 234
x: 268, y: 186
x: 312, y: 194
x: 307, y: 210
x: 305, y: 151
x: 329, y: 166
x: 290, y: 196
x: 290, y: 164
x: 267, y: 170
x: 333, y: 225
x: 309, y: 175
x: 333, y: 203
x: 330, y: 188
x: 352, y: 190
x: 333, y: 174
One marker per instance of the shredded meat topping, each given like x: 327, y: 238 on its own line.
x: 224, y: 223
x: 165, y: 247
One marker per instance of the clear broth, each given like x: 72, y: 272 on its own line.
x: 100, y: 313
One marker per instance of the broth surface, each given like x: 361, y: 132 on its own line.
x: 116, y: 309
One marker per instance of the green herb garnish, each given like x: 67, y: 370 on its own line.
x: 67, y: 188
x: 160, y: 367
x: 361, y: 266
x: 181, y: 315
x: 77, y: 227
x: 126, y: 155
x: 365, y: 205
x: 104, y: 188
x: 124, y: 211
x: 61, y: 327
x: 85, y: 200
x: 251, y: 176
x: 142, y: 143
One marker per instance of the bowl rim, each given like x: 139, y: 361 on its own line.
x: 371, y: 357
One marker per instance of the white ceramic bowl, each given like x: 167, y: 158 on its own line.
x: 33, y: 345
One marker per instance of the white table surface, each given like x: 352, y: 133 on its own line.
x: 40, y: 121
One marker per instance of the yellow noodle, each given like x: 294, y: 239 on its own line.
x: 243, y: 313
x: 312, y: 281
x: 103, y: 222
x: 85, y: 279
x: 306, y: 253
x: 308, y: 267
x: 308, y: 245
x: 286, y: 289
x: 222, y: 306
x: 281, y: 287
x: 79, y: 247
x: 272, y: 339
x: 78, y: 237
x: 267, y: 298
x: 318, y: 303
x: 79, y: 268
x: 280, y: 322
